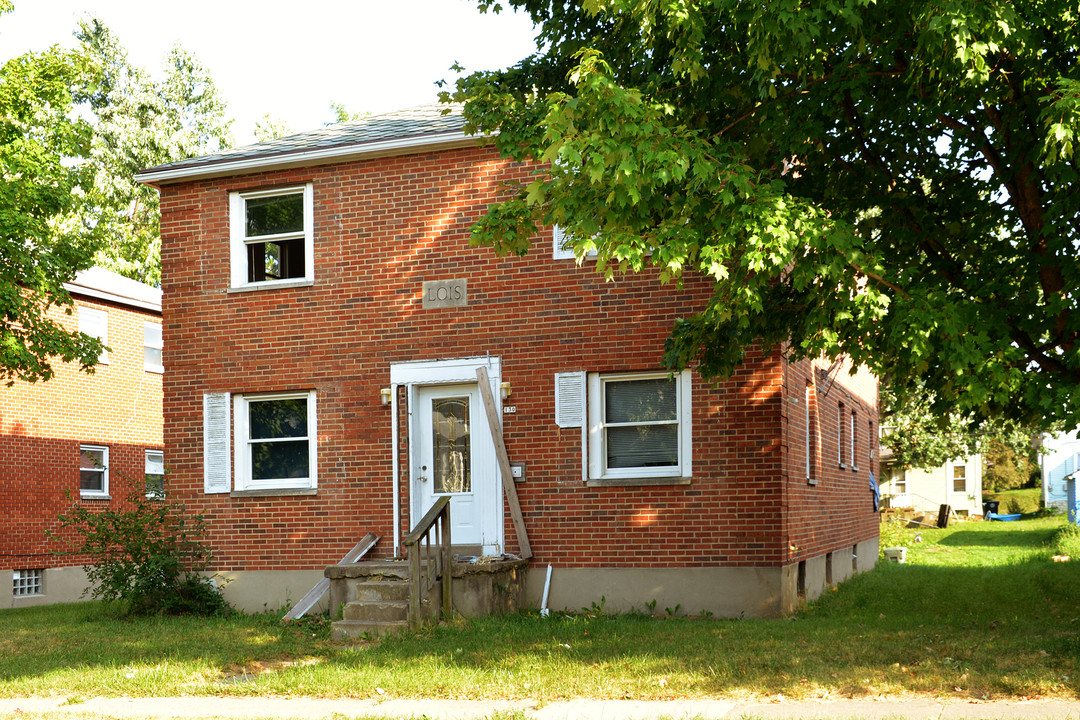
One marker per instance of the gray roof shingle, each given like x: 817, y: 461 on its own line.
x: 423, y: 121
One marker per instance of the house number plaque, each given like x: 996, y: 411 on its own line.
x: 445, y: 293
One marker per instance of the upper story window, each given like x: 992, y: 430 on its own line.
x: 152, y: 347
x: 841, y: 434
x: 95, y: 323
x: 562, y: 246
x: 93, y: 471
x: 854, y: 441
x: 639, y: 426
x: 272, y: 237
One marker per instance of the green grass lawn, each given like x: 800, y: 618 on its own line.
x: 979, y: 610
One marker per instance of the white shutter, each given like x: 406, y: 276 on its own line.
x: 216, y: 465
x: 558, y: 242
x: 570, y: 399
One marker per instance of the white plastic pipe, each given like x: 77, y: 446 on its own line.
x: 547, y: 589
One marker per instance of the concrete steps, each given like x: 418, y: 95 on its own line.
x: 372, y: 598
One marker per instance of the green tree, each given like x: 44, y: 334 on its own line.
x: 919, y: 438
x: 892, y: 181
x: 43, y: 148
x: 140, y: 122
x: 269, y: 128
x: 1007, y: 467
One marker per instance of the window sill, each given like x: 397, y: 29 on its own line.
x: 842, y: 466
x: 638, y: 482
x: 855, y: 468
x: 94, y: 496
x: 156, y: 371
x: 274, y: 492
x: 271, y: 285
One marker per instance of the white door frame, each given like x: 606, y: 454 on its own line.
x: 456, y: 371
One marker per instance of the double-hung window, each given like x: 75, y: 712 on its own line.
x: 93, y: 471
x: 152, y: 347
x: 155, y: 474
x: 275, y: 441
x: 272, y: 237
x: 639, y: 426
x: 95, y: 323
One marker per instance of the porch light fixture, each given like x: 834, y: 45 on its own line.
x: 504, y: 390
x: 385, y: 395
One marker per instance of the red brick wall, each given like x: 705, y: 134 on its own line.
x: 384, y: 226
x: 42, y: 425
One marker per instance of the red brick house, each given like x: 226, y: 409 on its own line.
x: 79, y: 433
x: 326, y: 318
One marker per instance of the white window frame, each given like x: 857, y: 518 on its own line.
x: 104, y: 491
x: 155, y: 465
x: 952, y: 477
x: 840, y: 421
x: 95, y: 323
x: 809, y: 434
x: 152, y: 339
x: 560, y: 245
x: 242, y: 451
x: 854, y: 440
x: 238, y: 242
x: 596, y: 445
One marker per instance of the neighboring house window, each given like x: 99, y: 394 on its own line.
x: 959, y: 478
x: 900, y: 483
x: 272, y: 237
x: 93, y: 471
x: 275, y: 441
x: 155, y: 473
x: 639, y: 426
x: 841, y: 433
x: 152, y: 347
x: 26, y: 582
x: 95, y: 323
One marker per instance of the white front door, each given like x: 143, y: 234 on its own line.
x: 455, y: 456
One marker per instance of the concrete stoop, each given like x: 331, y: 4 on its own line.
x: 372, y: 599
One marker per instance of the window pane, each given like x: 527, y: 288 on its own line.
x: 273, y: 215
x: 633, y: 401
x: 277, y: 460
x: 91, y: 458
x: 644, y: 446
x: 155, y: 463
x: 450, y: 443
x: 92, y: 480
x: 278, y: 419
x: 275, y: 260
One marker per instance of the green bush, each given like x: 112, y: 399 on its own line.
x: 145, y: 553
x: 1066, y: 541
x: 1017, y: 501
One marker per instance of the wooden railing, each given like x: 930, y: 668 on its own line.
x: 423, y: 575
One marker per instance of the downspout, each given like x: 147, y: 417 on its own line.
x: 396, y: 474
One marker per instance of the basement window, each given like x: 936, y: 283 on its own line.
x: 27, y: 582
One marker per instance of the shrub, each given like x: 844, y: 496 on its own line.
x: 1066, y: 541
x: 146, y: 553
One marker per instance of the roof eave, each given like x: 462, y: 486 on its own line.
x: 322, y: 156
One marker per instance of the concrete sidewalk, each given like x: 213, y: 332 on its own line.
x: 338, y: 709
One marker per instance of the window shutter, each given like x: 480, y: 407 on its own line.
x: 570, y: 399
x: 216, y: 466
x: 558, y: 242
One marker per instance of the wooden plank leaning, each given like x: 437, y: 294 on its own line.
x: 316, y: 593
x: 495, y: 423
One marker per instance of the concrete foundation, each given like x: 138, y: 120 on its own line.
x: 58, y: 585
x: 490, y: 587
x: 256, y: 591
x: 719, y: 591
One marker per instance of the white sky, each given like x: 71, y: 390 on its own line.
x: 292, y: 59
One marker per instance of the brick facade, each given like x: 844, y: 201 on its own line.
x: 382, y: 227
x: 43, y: 424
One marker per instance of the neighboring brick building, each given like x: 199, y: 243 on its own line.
x: 77, y: 435
x: 326, y: 316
